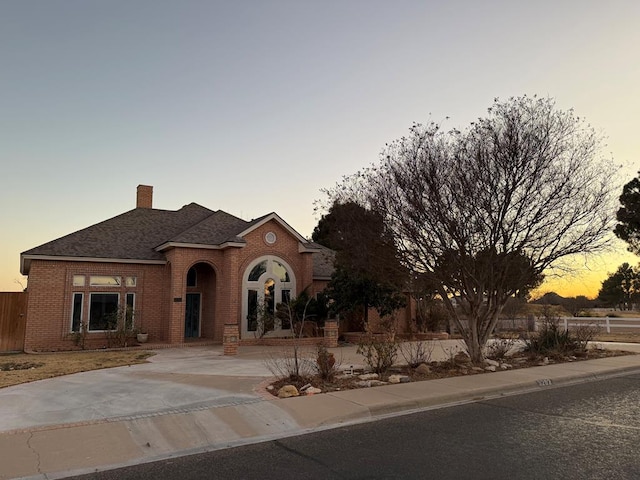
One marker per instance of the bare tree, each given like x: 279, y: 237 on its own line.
x: 485, y: 211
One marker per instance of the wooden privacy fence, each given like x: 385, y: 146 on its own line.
x: 13, y: 321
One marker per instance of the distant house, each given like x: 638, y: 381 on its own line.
x: 185, y: 273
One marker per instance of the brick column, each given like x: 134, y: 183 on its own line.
x: 177, y: 296
x: 231, y: 339
x: 331, y: 333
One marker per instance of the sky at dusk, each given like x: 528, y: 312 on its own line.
x: 255, y: 106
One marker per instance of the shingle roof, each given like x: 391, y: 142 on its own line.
x: 131, y: 235
x: 323, y: 261
x: 136, y: 234
x: 216, y: 229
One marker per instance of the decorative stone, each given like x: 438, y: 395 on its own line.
x: 423, y: 369
x: 405, y: 379
x: 506, y: 366
x: 477, y: 369
x: 370, y: 383
x: 492, y: 363
x: 368, y: 376
x: 490, y: 368
x: 397, y: 378
x: 288, y: 391
x: 312, y: 391
x: 270, y: 387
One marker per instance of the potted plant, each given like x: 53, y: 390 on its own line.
x: 142, y: 336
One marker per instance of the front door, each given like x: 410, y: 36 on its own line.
x: 192, y: 316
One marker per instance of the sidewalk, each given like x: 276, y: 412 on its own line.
x: 194, y: 399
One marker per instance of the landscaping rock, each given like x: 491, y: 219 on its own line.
x: 397, y: 378
x: 288, y: 391
x: 312, y: 391
x: 492, y: 363
x: 490, y: 368
x: 368, y: 376
x: 506, y: 366
x: 477, y: 369
x: 370, y: 383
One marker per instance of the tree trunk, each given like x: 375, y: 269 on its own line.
x: 475, y: 351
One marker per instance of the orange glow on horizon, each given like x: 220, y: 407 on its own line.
x: 588, y: 275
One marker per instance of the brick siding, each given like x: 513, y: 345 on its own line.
x: 160, y: 290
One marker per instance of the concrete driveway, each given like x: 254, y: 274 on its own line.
x: 174, y: 380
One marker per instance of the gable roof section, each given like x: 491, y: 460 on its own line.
x: 258, y: 222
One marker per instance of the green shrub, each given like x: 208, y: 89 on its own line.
x: 551, y: 340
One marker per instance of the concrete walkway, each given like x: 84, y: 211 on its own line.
x: 195, y: 399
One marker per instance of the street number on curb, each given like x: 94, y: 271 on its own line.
x: 544, y: 382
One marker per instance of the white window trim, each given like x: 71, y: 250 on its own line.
x: 73, y: 303
x: 133, y: 307
x: 259, y: 286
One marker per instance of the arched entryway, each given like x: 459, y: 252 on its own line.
x: 199, y: 313
x: 266, y: 282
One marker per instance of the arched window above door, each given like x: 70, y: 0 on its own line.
x: 267, y: 281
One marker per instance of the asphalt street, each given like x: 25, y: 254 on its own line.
x: 583, y: 431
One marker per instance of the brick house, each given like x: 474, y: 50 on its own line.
x: 186, y: 274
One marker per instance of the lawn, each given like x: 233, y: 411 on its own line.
x: 21, y: 367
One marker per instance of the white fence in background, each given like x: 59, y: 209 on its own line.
x: 606, y: 323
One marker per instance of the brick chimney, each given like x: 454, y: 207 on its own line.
x: 144, y: 198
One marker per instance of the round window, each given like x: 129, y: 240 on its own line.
x: 270, y: 238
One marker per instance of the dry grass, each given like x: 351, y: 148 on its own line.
x: 22, y: 368
x: 617, y: 337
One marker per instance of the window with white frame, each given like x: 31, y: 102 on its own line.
x: 267, y: 282
x: 98, y: 303
x: 76, y: 312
